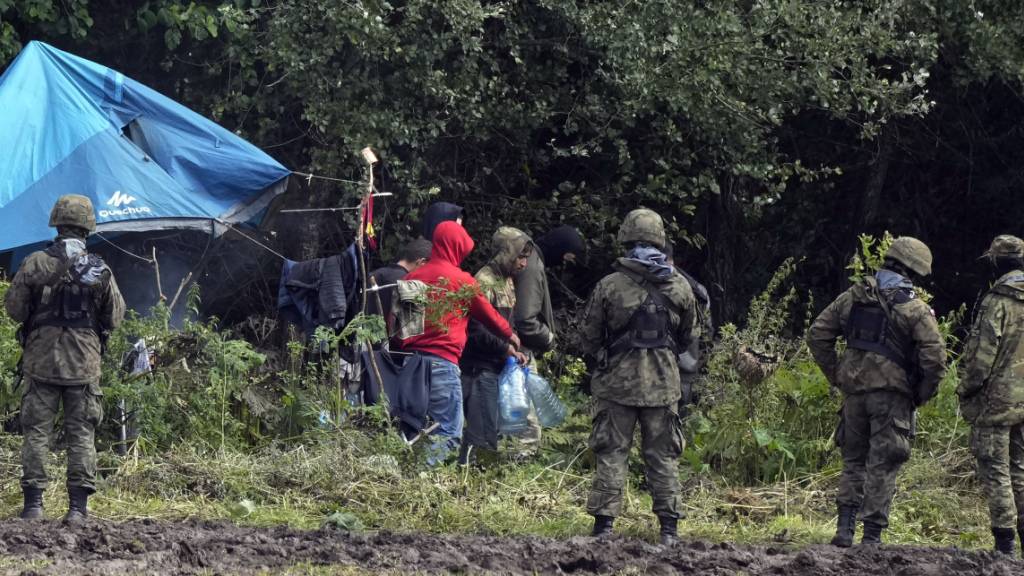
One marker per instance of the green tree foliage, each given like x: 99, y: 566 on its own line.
x: 760, y: 129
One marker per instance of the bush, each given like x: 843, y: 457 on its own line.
x: 760, y: 428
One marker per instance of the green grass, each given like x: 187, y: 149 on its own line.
x: 301, y: 486
x: 14, y: 565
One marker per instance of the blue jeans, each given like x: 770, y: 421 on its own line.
x: 445, y: 409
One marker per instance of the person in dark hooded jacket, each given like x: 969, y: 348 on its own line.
x: 534, y: 317
x: 439, y: 212
x: 453, y: 298
x: 486, y: 354
x: 534, y: 314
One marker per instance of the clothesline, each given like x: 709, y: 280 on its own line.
x: 251, y: 239
x: 149, y: 261
x: 309, y: 177
x: 336, y: 208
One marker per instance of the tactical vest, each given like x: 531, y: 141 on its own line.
x: 67, y: 301
x: 650, y: 326
x: 870, y: 328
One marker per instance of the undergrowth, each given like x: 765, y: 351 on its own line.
x: 265, y: 437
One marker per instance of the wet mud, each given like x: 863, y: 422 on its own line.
x: 147, y: 547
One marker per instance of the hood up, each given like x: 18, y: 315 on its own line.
x: 506, y: 246
x: 558, y: 242
x: 435, y: 214
x: 451, y: 243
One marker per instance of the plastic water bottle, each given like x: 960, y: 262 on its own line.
x: 513, y: 404
x: 550, y: 409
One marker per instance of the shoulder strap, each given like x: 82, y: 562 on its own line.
x: 900, y: 357
x: 652, y: 290
x: 699, y: 291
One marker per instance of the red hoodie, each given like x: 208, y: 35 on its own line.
x: 451, y: 244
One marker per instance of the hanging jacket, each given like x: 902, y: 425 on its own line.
x: 448, y: 317
x: 320, y: 292
x: 991, y: 386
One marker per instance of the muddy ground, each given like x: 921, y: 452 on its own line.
x: 145, y: 547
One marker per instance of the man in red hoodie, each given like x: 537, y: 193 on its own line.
x: 453, y: 298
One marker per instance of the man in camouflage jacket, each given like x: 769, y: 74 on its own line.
x: 637, y: 378
x: 991, y: 391
x: 893, y: 363
x: 485, y: 354
x: 67, y: 301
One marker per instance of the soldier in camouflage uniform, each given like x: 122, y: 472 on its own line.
x: 636, y: 321
x: 992, y: 391
x: 67, y: 302
x: 893, y: 363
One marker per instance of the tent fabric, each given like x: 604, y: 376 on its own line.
x: 71, y: 126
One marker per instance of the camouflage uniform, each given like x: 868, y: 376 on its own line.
x: 61, y: 364
x: 879, y: 394
x: 991, y: 391
x: 639, y: 385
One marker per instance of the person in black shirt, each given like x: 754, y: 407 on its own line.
x: 412, y: 256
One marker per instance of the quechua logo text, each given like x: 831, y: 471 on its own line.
x: 120, y: 205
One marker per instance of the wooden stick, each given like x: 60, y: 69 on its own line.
x: 371, y: 159
x: 181, y: 287
x: 425, y: 432
x: 159, y: 288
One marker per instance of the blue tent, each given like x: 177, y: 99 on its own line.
x: 71, y: 126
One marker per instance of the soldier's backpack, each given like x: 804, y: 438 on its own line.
x: 650, y: 326
x: 69, y: 301
x: 870, y: 328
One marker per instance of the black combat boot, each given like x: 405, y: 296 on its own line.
x: 872, y: 534
x: 1006, y: 541
x: 668, y: 534
x: 846, y: 525
x: 33, y: 509
x: 602, y: 525
x: 78, y: 505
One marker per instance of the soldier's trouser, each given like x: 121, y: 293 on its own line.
x: 875, y: 443
x: 83, y: 410
x: 661, y: 434
x: 1000, y: 454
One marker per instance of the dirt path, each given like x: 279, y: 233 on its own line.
x: 145, y: 547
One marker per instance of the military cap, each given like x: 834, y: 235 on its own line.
x: 1005, y: 246
x: 73, y: 210
x: 643, y: 225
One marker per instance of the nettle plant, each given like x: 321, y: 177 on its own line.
x: 773, y: 426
